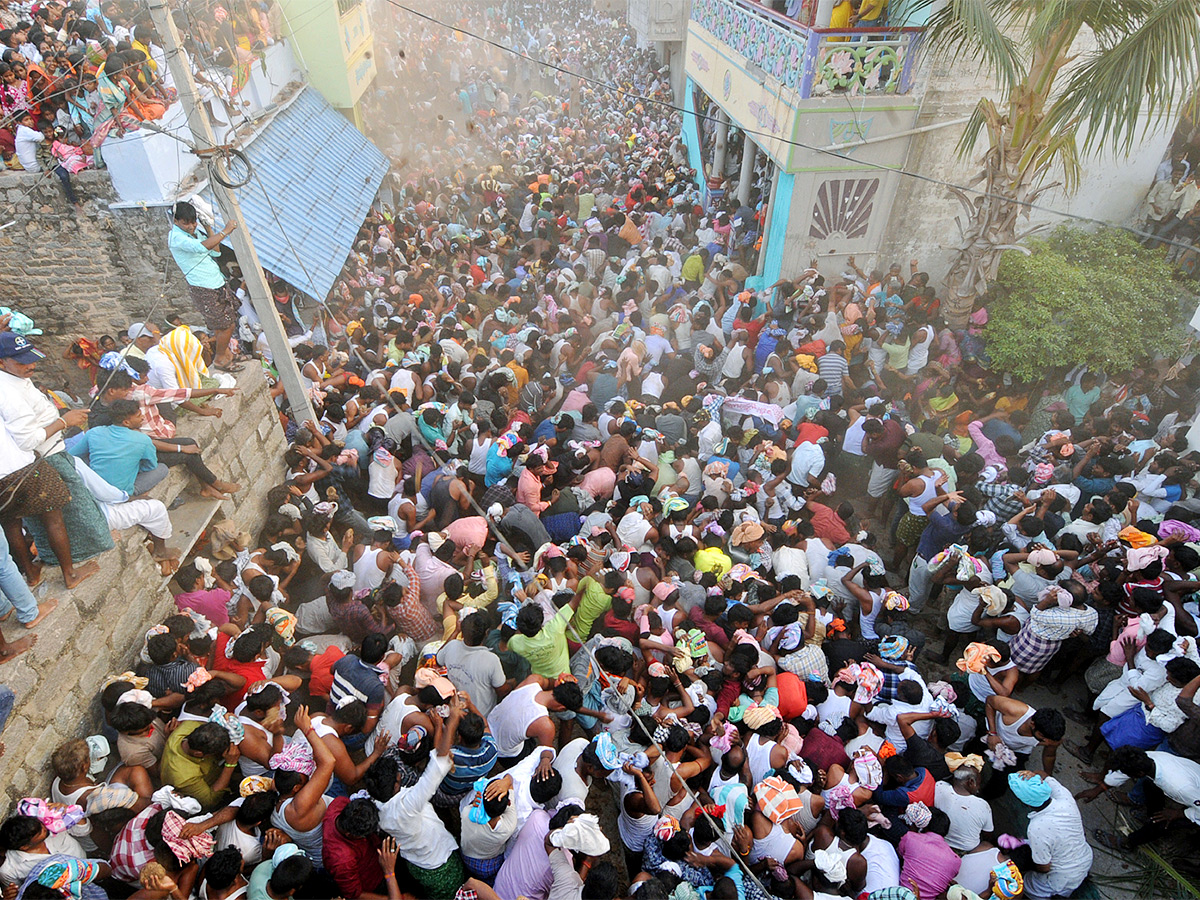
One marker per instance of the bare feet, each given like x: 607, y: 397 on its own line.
x: 34, y: 578
x: 81, y: 573
x: 44, y: 610
x: 5, y: 617
x: 168, y: 566
x: 15, y: 648
x: 212, y: 493
x: 227, y: 487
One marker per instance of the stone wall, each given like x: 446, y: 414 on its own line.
x: 83, y: 273
x: 97, y: 629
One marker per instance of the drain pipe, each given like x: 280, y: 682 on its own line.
x: 849, y: 145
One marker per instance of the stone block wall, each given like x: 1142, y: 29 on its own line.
x: 97, y: 629
x: 83, y: 273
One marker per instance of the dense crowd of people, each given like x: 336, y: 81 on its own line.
x: 72, y: 74
x: 600, y: 575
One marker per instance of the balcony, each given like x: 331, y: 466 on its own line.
x: 806, y: 61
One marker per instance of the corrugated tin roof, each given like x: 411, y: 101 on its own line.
x: 321, y: 174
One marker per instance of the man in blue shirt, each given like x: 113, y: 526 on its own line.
x: 120, y: 453
x: 945, y: 527
x: 196, y: 254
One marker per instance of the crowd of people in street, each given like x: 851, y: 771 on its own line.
x: 599, y: 574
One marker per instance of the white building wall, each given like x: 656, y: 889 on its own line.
x: 1113, y: 187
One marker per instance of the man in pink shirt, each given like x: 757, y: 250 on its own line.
x: 212, y: 604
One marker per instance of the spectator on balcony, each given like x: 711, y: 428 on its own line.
x: 841, y: 17
x: 126, y: 104
x: 14, y: 102
x: 35, y: 154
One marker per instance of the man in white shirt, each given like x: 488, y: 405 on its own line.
x: 1172, y: 778
x: 969, y: 814
x: 808, y: 461
x: 429, y: 849
x: 27, y: 138
x: 1062, y: 856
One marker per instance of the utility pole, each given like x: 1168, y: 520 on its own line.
x: 243, y: 246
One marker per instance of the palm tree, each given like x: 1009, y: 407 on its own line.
x: 1145, y: 63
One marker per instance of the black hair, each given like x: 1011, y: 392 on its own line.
x: 704, y: 832
x: 948, y: 731
x: 287, y: 782
x: 677, y: 738
x: 602, y: 883
x: 1158, y: 641
x: 17, y: 832
x: 185, y: 576
x: 353, y: 714
x: 161, y: 648
x: 130, y: 718
x: 184, y: 211
x: 565, y: 815
x: 569, y: 695
x: 380, y: 780
x: 614, y: 660
x: 249, y: 644
x: 358, y: 819
x: 1182, y: 670
x: 495, y: 806
x: 291, y: 874
x: 373, y: 649
x: 909, y: 691
x: 852, y: 823
x: 1050, y: 722
x: 1131, y: 760
x: 262, y: 589
x: 743, y: 657
x: 257, y: 808
x: 470, y: 729
x: 530, y: 619
x: 223, y: 868
x: 111, y: 694
x: 210, y: 739
x: 264, y: 698
x: 899, y: 769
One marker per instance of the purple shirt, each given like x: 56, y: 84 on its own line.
x: 930, y: 864
x: 526, y: 871
x: 210, y: 604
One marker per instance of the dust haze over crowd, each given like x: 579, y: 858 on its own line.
x: 450, y: 106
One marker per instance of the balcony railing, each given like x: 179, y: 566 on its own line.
x: 814, y: 62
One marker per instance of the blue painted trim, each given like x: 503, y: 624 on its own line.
x: 691, y: 135
x: 776, y: 237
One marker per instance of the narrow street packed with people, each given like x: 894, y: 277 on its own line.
x: 598, y: 574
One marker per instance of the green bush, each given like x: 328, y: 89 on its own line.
x: 1094, y: 298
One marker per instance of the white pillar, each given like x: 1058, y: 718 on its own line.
x: 824, y: 12
x: 746, y: 180
x: 720, y: 143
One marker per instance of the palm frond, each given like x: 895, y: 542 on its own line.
x: 975, y: 29
x: 1111, y: 19
x: 1147, y: 73
x: 980, y: 116
x: 1055, y: 147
